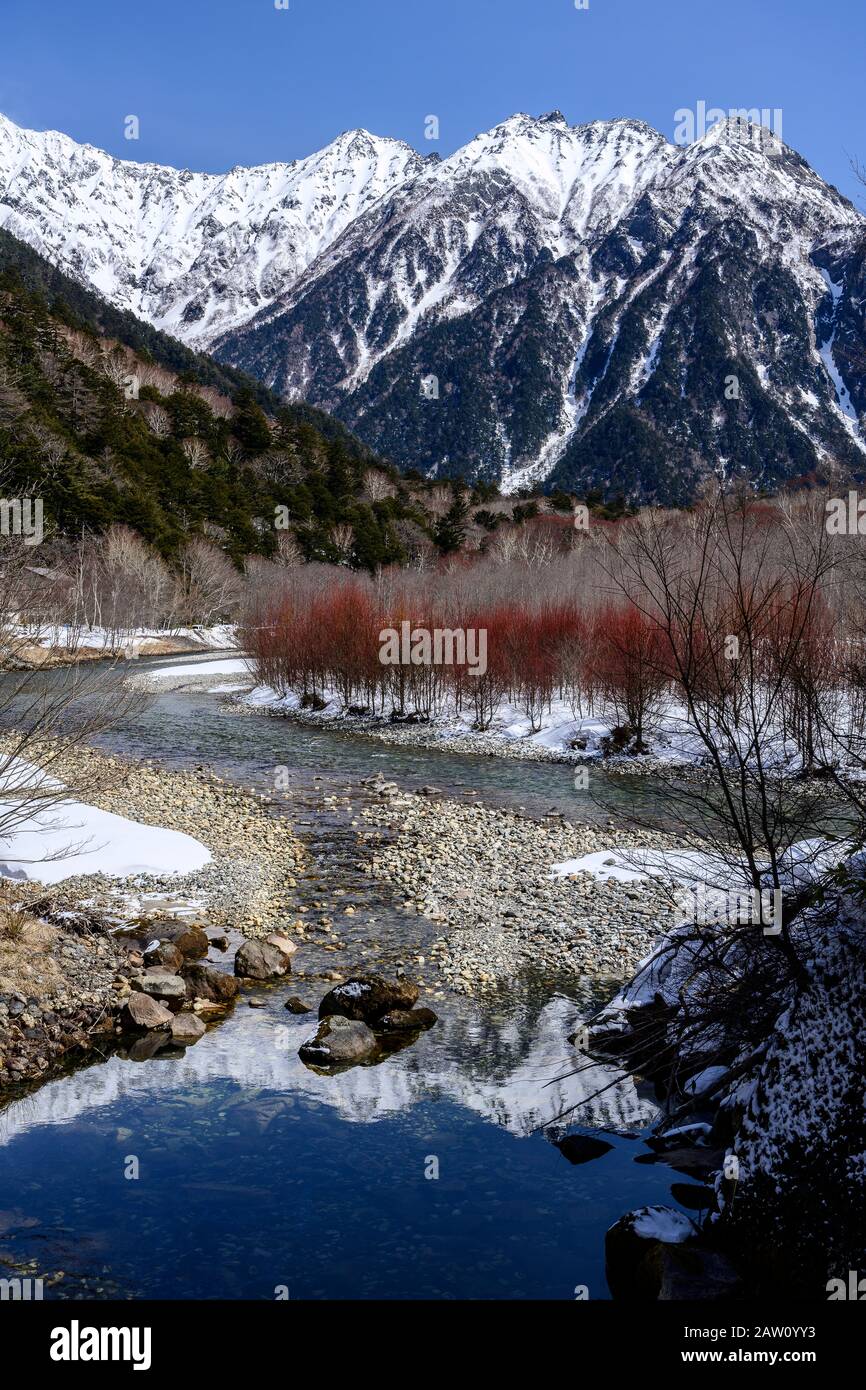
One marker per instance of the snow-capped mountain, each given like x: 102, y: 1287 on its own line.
x: 194, y: 254
x: 584, y: 306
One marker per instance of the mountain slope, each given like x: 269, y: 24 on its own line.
x: 583, y: 307
x: 108, y: 420
x: 584, y: 330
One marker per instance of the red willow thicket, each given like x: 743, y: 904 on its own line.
x: 797, y: 678
x: 326, y: 645
x: 748, y: 618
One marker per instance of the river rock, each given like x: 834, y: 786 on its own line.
x: 406, y: 1021
x: 282, y: 941
x: 634, y: 1247
x: 190, y: 939
x: 257, y: 960
x: 582, y: 1148
x: 141, y: 1011
x: 297, y: 1006
x: 160, y: 984
x: 339, y: 1042
x: 186, y: 1029
x: 165, y: 953
x: 204, y: 982
x: 368, y: 998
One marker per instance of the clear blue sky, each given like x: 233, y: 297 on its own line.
x: 222, y: 82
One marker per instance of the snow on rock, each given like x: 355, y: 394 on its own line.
x: 194, y: 254
x: 666, y: 1224
x: 340, y: 278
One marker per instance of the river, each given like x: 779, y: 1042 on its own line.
x: 233, y: 1171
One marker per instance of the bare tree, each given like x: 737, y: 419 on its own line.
x: 209, y: 587
x: 195, y: 452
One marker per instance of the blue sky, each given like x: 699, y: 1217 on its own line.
x: 222, y: 82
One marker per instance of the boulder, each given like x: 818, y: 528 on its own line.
x: 297, y: 1006
x: 186, y: 1029
x: 406, y: 1021
x: 582, y: 1148
x: 145, y: 1014
x: 258, y: 960
x: 204, y: 982
x: 368, y: 998
x: 189, y: 938
x: 208, y: 1009
x: 160, y: 984
x: 166, y: 954
x: 634, y: 1248
x: 339, y: 1042
x: 282, y: 941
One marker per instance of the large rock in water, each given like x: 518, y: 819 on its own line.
x: 582, y: 1148
x: 186, y: 1029
x: 282, y: 941
x: 259, y: 960
x: 143, y: 1013
x: 368, y: 998
x: 204, y: 982
x: 634, y: 1248
x: 160, y: 984
x: 339, y: 1042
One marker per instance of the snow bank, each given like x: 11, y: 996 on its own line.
x: 52, y: 636
x: 66, y: 838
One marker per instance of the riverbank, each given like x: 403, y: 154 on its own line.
x: 47, y: 647
x: 486, y: 877
x: 255, y: 853
x: 761, y: 1067
x: 58, y: 987
x: 64, y: 974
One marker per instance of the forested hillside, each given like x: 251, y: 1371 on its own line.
x: 110, y: 421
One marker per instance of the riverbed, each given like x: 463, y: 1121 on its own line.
x: 233, y: 1171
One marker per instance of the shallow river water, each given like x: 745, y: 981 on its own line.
x: 233, y: 1171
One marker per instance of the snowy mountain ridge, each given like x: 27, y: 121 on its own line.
x: 584, y: 306
x: 192, y: 253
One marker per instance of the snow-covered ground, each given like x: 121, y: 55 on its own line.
x: 68, y: 638
x: 231, y: 666
x: 62, y: 838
